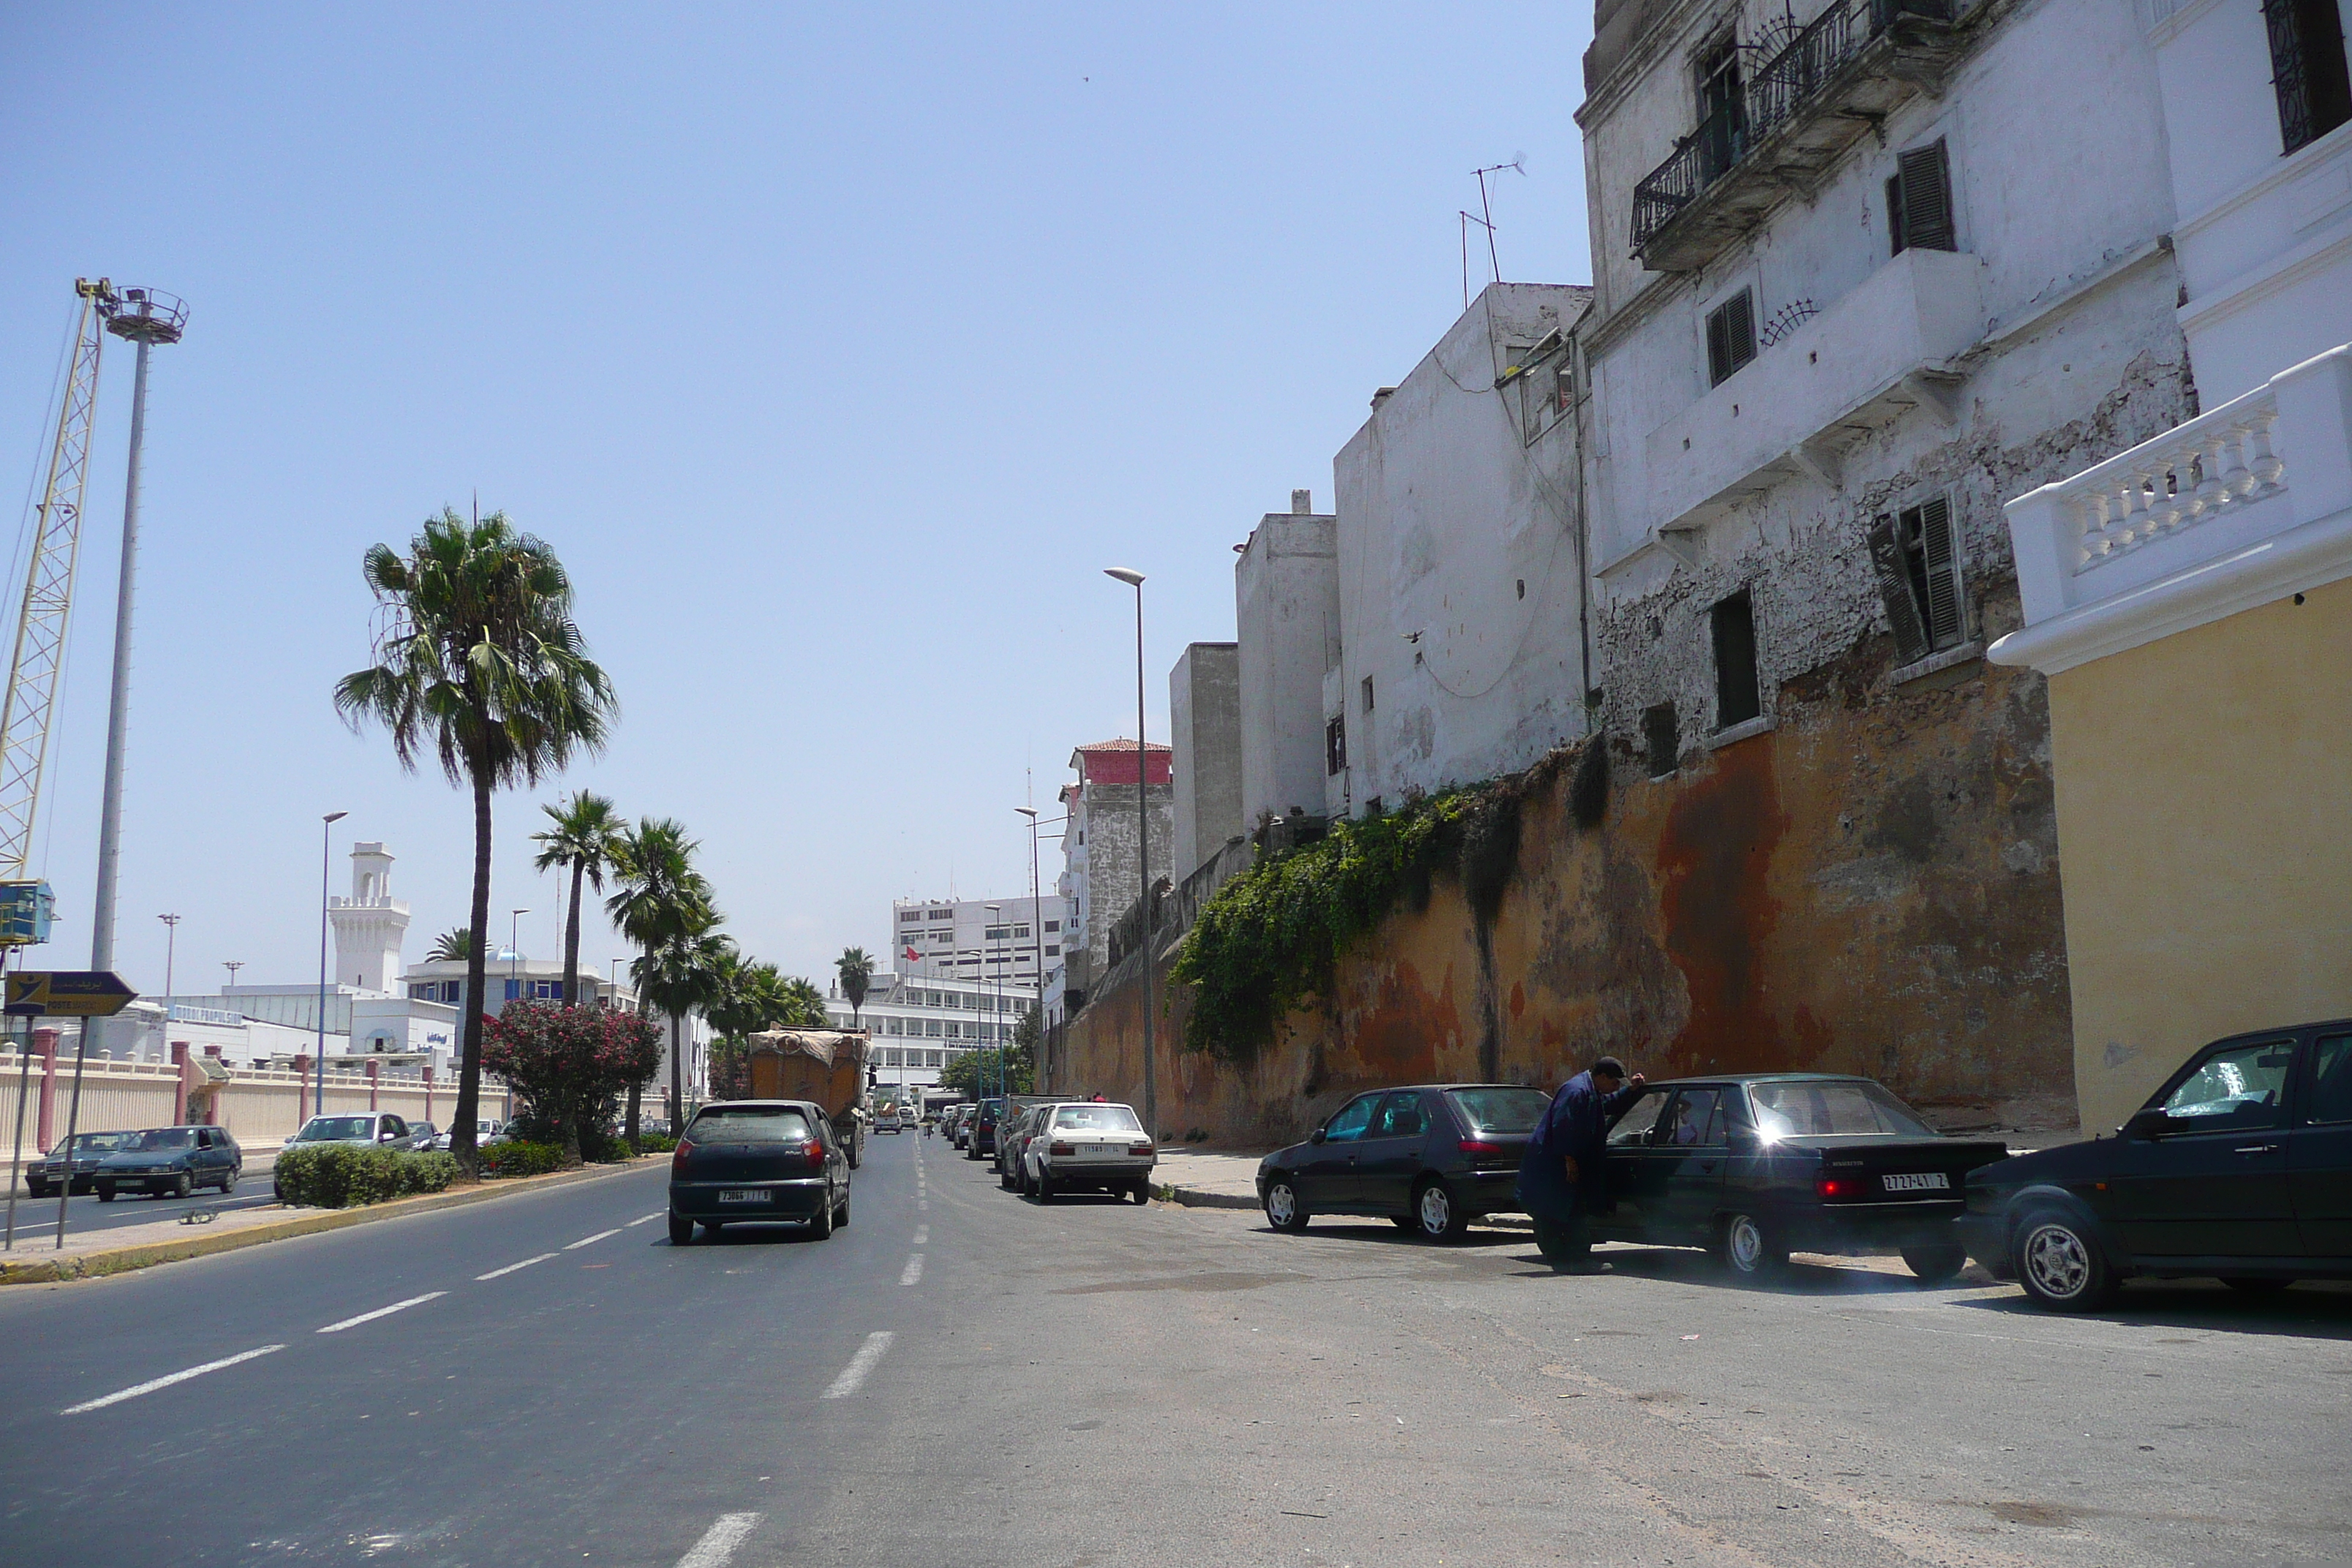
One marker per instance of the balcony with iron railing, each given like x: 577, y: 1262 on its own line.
x: 1836, y: 80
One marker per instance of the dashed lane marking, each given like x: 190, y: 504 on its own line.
x: 586, y: 1240
x: 913, y: 1271
x: 717, y: 1547
x: 383, y: 1312
x: 151, y: 1385
x: 643, y: 1220
x: 512, y: 1266
x: 922, y: 1235
x: 853, y: 1376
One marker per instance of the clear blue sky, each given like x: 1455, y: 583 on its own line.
x: 836, y: 349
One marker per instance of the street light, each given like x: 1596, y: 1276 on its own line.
x: 232, y: 965
x: 1134, y: 580
x: 171, y: 944
x: 514, y: 955
x: 319, y: 1068
x: 1037, y: 940
x: 995, y: 915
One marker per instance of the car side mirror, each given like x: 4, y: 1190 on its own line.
x: 1315, y: 1136
x: 2149, y: 1123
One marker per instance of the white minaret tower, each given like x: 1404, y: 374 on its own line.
x: 369, y: 925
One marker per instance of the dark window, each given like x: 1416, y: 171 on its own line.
x: 1368, y: 694
x: 1730, y: 337
x: 1919, y: 201
x: 1917, y: 558
x: 2331, y: 1079
x: 1736, y: 698
x: 1334, y: 746
x: 1665, y: 743
x: 2307, y: 69
x: 1722, y: 133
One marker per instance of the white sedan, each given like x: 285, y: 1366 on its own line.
x: 1089, y: 1147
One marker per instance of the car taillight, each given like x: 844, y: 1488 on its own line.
x: 1063, y: 1150
x: 1141, y: 1149
x: 1478, y: 1148
x: 677, y: 1156
x: 1837, y: 1187
x: 816, y: 1150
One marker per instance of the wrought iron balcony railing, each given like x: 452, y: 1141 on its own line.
x: 1783, y: 91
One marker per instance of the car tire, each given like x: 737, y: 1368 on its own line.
x: 2251, y: 1285
x: 681, y: 1229
x: 1004, y: 1178
x: 1282, y: 1209
x: 1436, y: 1213
x: 105, y: 1194
x: 1936, y: 1264
x: 1045, y: 1188
x: 841, y: 1212
x: 1142, y: 1191
x: 1750, y: 1248
x: 182, y: 1186
x: 2059, y: 1263
x: 821, y: 1225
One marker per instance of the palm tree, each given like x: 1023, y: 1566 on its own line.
x: 451, y: 945
x: 482, y: 668
x: 684, y: 975
x: 803, y: 1004
x: 856, y: 966
x: 660, y: 901
x: 584, y: 834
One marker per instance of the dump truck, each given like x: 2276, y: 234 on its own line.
x: 827, y: 1065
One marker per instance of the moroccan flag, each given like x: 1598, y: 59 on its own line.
x: 914, y: 957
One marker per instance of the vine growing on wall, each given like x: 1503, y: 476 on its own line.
x: 1271, y: 937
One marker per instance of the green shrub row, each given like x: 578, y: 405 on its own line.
x: 517, y: 1158
x: 343, y: 1175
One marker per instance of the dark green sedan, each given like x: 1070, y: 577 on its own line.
x: 170, y: 1161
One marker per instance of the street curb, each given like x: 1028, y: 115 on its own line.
x: 1198, y: 1198
x: 122, y: 1259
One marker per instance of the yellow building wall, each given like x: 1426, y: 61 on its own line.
x: 2204, y: 798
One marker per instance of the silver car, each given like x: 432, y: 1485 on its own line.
x: 1089, y: 1146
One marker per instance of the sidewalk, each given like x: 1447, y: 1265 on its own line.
x: 37, y: 1259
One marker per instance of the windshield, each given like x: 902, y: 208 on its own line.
x: 750, y: 1124
x: 1838, y: 1108
x: 168, y: 1137
x: 1501, y: 1109
x: 1097, y: 1119
x: 324, y: 1129
x: 95, y: 1143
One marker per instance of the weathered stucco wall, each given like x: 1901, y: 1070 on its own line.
x: 1872, y: 887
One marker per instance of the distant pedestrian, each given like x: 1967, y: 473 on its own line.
x: 1563, y: 1178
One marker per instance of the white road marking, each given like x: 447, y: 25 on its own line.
x: 869, y: 1355
x: 383, y: 1312
x: 512, y: 1266
x: 153, y: 1383
x: 647, y: 1220
x: 922, y: 1205
x: 717, y: 1547
x: 913, y: 1271
x: 586, y: 1240
x: 922, y: 1235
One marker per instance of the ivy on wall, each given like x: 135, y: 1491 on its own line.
x: 1270, y: 937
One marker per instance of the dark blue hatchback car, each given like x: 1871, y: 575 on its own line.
x: 758, y: 1162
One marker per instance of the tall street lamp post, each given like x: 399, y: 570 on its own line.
x: 170, y: 949
x: 1134, y: 579
x: 1037, y: 941
x: 319, y: 1068
x: 514, y: 955
x: 995, y: 913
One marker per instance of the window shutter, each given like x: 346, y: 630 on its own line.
x: 1927, y: 198
x: 1895, y: 588
x: 1718, y: 349
x: 1894, y: 214
x: 1935, y: 538
x: 1730, y: 336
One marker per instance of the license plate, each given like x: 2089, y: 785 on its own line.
x: 1919, y: 1182
x: 745, y: 1195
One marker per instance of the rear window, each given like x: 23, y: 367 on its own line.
x: 1097, y: 1119
x: 96, y: 1143
x: 1831, y: 1110
x: 750, y: 1124
x: 1501, y: 1109
x: 167, y: 1137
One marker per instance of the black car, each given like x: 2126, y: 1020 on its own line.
x: 982, y: 1140
x: 2239, y: 1168
x: 41, y: 1177
x: 1429, y: 1157
x: 1756, y: 1166
x: 170, y: 1161
x: 758, y: 1161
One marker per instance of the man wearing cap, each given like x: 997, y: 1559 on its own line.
x: 1562, y: 1179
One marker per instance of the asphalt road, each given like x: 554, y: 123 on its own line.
x: 964, y: 1377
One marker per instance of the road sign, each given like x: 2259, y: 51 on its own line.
x: 68, y: 994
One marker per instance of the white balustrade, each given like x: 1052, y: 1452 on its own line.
x: 2195, y: 473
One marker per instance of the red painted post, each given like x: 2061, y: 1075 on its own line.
x: 45, y: 1046
x: 301, y: 1091
x: 371, y: 1082
x: 180, y: 1060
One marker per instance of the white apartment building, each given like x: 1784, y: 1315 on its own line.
x: 972, y: 939
x: 918, y: 1025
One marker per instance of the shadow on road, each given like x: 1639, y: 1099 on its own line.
x: 2315, y: 1310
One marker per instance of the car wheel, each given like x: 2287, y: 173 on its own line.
x: 2059, y: 1263
x: 1004, y: 1177
x: 681, y: 1229
x: 185, y: 1185
x: 1282, y: 1209
x: 841, y: 1212
x: 1936, y: 1264
x: 1045, y: 1188
x: 2246, y: 1285
x: 105, y: 1192
x: 822, y: 1226
x: 1750, y: 1250
x: 1435, y: 1213
x: 1142, y: 1191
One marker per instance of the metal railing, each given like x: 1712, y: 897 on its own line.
x: 1777, y: 93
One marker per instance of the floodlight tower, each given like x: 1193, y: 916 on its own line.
x: 145, y: 317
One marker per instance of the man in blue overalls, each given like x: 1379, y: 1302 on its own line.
x: 1561, y: 1175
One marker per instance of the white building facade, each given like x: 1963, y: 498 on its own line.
x: 918, y: 1025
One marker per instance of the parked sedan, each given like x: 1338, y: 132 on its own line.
x: 758, y: 1161
x: 1428, y: 1157
x: 1089, y: 1146
x: 982, y: 1140
x: 1013, y: 1142
x: 42, y: 1177
x: 170, y: 1161
x: 2239, y: 1168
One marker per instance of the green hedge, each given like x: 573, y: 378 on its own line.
x: 653, y: 1143
x: 343, y: 1175
x: 518, y: 1158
